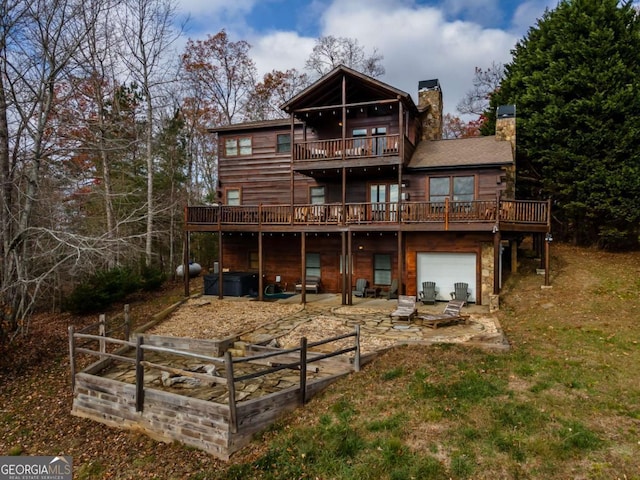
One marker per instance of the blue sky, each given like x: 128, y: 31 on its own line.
x: 419, y: 39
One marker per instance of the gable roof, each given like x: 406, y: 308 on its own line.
x: 255, y: 125
x: 461, y: 152
x: 327, y: 91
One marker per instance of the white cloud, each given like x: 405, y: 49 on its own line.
x: 528, y: 13
x: 418, y: 43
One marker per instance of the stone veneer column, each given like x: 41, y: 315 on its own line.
x: 487, y: 272
x: 430, y: 107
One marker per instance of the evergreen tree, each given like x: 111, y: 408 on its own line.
x: 574, y: 80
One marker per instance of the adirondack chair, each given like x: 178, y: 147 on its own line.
x: 450, y: 314
x: 361, y: 286
x: 392, y: 291
x: 461, y: 292
x: 406, y: 308
x: 428, y: 293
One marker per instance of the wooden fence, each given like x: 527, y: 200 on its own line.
x: 216, y: 428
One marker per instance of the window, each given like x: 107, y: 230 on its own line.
x: 237, y: 146
x: 359, y: 135
x: 382, y: 269
x: 458, y: 189
x: 381, y: 193
x: 463, y: 189
x: 245, y: 146
x: 316, y: 195
x: 283, y: 143
x: 379, y: 143
x: 233, y: 196
x: 254, y: 263
x: 313, y: 265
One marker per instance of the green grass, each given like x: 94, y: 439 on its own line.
x: 563, y: 402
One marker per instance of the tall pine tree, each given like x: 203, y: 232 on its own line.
x: 575, y: 80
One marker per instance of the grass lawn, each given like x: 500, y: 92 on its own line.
x: 564, y: 402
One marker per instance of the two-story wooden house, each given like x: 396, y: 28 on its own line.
x: 357, y: 183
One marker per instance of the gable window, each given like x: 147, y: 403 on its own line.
x: 313, y: 265
x: 283, y: 142
x: 233, y: 196
x: 457, y: 189
x: 382, y: 269
x: 316, y: 195
x: 237, y: 146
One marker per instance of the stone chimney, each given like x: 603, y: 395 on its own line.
x: 430, y: 108
x: 506, y: 124
x: 506, y: 132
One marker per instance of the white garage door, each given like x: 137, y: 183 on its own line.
x: 446, y: 269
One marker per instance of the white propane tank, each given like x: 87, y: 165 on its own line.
x: 194, y: 270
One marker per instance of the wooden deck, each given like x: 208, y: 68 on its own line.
x: 514, y: 215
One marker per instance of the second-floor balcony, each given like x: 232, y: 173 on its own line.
x: 519, y: 215
x: 327, y: 153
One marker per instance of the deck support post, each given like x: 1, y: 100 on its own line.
x: 343, y: 253
x: 303, y: 263
x: 260, y: 272
x: 185, y: 264
x: 401, y: 283
x: 547, y: 259
x: 220, y: 277
x: 514, y: 256
x: 347, y: 267
x: 496, y: 261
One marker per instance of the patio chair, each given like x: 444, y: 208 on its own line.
x: 461, y: 292
x: 428, y: 293
x: 406, y: 308
x: 361, y: 286
x: 391, y: 292
x: 451, y: 314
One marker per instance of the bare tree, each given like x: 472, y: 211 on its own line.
x: 221, y: 70
x: 275, y: 89
x: 485, y: 82
x: 330, y: 51
x: 148, y: 32
x: 37, y: 43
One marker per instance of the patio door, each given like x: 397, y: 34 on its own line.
x: 384, y: 201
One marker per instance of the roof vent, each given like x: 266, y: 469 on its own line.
x: 429, y: 84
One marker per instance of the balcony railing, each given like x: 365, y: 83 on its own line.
x: 521, y: 212
x: 335, y: 148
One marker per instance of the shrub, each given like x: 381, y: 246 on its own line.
x: 102, y: 289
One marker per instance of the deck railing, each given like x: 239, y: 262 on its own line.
x: 334, y: 148
x: 526, y: 212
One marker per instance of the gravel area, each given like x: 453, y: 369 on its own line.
x: 215, y: 318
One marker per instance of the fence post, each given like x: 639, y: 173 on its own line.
x: 303, y: 369
x: 72, y: 357
x: 356, y: 360
x: 102, y: 331
x: 139, y: 374
x: 127, y: 322
x: 233, y: 418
